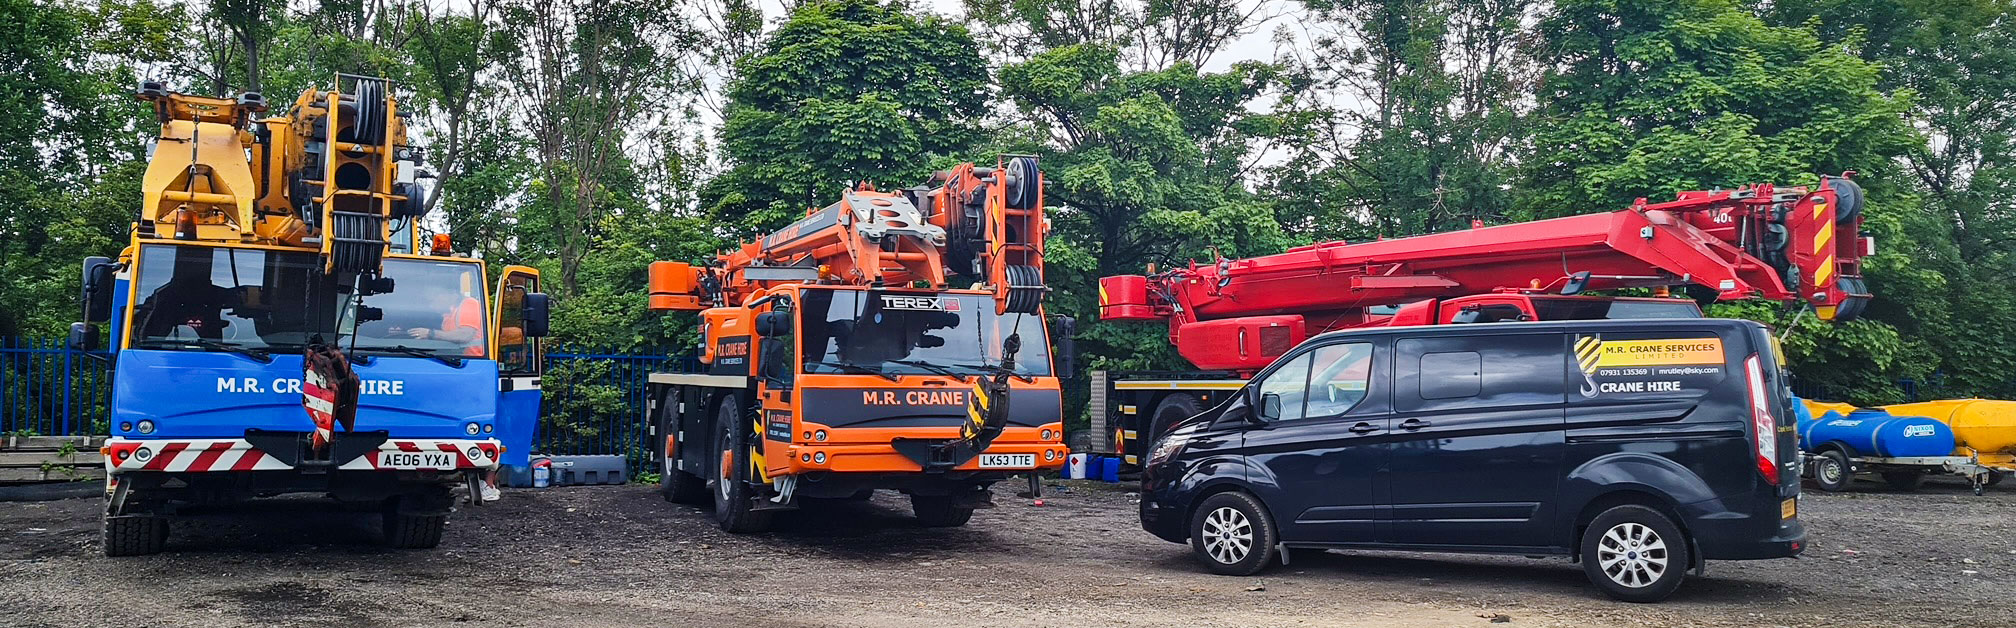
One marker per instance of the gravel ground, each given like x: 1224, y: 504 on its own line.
x: 596, y: 556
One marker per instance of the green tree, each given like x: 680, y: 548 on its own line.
x: 844, y: 91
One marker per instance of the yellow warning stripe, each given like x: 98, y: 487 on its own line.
x: 756, y: 456
x: 1825, y: 271
x: 1819, y: 207
x: 1824, y: 237
x: 1102, y: 294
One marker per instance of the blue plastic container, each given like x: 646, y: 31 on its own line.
x: 1109, y: 469
x: 1877, y: 433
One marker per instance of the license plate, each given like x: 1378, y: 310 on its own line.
x: 416, y: 460
x: 1007, y: 461
x: 1789, y: 509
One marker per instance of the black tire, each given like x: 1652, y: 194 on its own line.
x: 862, y: 495
x: 1169, y: 411
x: 939, y: 511
x: 1831, y: 471
x: 734, y: 502
x: 403, y: 531
x: 675, y: 486
x: 135, y: 536
x: 1232, y: 534
x: 1635, y: 554
x: 1994, y: 478
x: 1903, y: 481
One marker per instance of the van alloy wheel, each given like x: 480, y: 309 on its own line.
x: 1633, y: 555
x: 1228, y: 535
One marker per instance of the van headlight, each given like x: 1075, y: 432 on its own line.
x: 1167, y: 447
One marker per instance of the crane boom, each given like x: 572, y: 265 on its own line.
x: 1757, y: 241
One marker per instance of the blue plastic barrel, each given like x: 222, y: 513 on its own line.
x: 1877, y: 433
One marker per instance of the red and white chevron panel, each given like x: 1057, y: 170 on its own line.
x: 231, y: 454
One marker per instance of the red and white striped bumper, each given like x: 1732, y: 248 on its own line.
x: 234, y: 454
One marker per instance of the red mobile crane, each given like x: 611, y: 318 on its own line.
x: 1234, y: 317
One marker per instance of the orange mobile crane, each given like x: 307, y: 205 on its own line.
x: 877, y: 343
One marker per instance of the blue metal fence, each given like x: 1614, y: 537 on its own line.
x: 48, y: 390
x: 594, y: 400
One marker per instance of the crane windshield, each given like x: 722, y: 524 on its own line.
x: 914, y: 333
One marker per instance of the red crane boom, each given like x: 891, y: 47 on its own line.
x: 1757, y: 241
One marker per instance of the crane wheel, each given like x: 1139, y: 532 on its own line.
x: 734, y: 503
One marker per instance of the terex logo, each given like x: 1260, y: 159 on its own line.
x: 904, y: 302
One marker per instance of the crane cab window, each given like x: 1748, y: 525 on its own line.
x: 900, y: 333
x: 434, y: 308
x: 207, y: 298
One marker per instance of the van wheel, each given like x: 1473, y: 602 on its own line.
x: 1170, y: 410
x: 1232, y: 534
x: 1634, y: 554
x: 1905, y: 481
x: 1994, y: 478
x: 1830, y: 471
x: 734, y: 509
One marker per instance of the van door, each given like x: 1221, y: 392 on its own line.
x: 1324, y: 449
x: 520, y: 361
x: 1477, y: 436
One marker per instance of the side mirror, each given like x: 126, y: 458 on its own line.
x: 96, y: 289
x: 773, y: 323
x: 83, y: 337
x: 1270, y: 406
x: 1066, y: 348
x: 1468, y: 315
x: 537, y: 314
x: 1576, y: 284
x: 366, y: 314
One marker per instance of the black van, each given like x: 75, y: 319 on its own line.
x: 1639, y: 447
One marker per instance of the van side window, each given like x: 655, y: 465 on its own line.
x: 1452, y: 375
x: 1338, y: 378
x: 1436, y: 373
x: 1291, y: 383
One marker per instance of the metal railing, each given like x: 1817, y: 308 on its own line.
x: 594, y: 402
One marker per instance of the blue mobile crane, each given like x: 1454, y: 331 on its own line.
x: 276, y: 325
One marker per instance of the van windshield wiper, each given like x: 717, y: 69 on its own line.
x: 256, y: 354
x: 418, y: 353
x: 853, y: 368
x: 941, y: 370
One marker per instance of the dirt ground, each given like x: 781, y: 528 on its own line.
x: 604, y: 556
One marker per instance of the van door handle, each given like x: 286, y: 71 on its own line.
x: 1363, y: 428
x: 1414, y: 424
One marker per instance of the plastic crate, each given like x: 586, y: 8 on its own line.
x: 574, y: 471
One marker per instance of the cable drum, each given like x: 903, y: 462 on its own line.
x: 369, y: 127
x: 1848, y: 199
x: 1024, y: 183
x: 1025, y: 289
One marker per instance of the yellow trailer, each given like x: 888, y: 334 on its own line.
x: 1985, y: 428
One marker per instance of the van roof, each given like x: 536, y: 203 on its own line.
x: 1575, y: 326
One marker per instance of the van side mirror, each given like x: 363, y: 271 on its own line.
x: 83, y: 337
x: 1066, y: 348
x: 536, y: 314
x: 96, y: 289
x: 1270, y: 406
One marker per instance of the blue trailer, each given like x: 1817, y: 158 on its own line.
x: 266, y: 239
